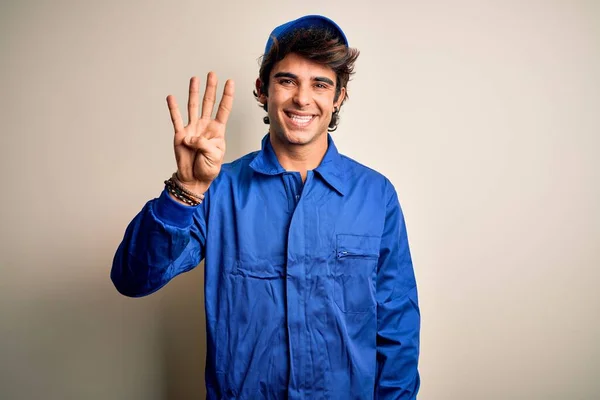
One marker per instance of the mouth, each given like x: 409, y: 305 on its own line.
x: 299, y: 120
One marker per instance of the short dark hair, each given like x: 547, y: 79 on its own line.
x: 320, y: 45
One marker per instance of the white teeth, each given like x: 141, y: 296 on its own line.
x: 302, y: 119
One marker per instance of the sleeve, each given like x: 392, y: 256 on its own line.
x: 398, y: 316
x: 165, y: 239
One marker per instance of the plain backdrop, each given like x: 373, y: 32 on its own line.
x: 484, y: 114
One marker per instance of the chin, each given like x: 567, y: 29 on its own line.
x: 298, y: 137
x: 301, y: 137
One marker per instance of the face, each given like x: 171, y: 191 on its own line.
x: 300, y: 100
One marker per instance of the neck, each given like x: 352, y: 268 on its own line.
x: 299, y: 157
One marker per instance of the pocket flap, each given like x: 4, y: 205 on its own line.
x: 357, y: 245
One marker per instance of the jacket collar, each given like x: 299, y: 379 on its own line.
x: 330, y: 169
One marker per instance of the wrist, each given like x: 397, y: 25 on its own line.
x: 198, y: 187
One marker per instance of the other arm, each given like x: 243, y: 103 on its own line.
x: 398, y: 316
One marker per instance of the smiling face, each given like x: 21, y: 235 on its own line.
x: 300, y: 101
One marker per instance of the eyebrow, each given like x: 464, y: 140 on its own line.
x: 294, y: 76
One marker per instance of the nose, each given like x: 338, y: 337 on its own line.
x: 302, y: 96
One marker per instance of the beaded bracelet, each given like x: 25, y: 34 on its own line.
x: 181, y: 187
x: 173, y: 186
x: 178, y: 194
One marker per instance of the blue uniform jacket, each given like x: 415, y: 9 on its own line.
x: 310, y: 290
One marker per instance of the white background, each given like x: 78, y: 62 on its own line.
x: 484, y: 114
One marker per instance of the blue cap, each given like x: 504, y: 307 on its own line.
x: 308, y: 21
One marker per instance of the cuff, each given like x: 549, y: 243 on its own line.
x: 171, y: 212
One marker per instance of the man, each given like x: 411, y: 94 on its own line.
x: 309, y: 286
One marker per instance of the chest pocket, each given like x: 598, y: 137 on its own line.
x: 354, y: 272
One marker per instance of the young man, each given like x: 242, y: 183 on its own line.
x: 309, y: 285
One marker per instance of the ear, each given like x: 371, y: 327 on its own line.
x: 262, y: 97
x: 340, y: 98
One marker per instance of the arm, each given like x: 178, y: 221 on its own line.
x: 165, y: 239
x: 398, y: 317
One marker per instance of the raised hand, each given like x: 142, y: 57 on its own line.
x: 200, y: 145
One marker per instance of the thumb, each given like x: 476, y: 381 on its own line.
x: 194, y: 142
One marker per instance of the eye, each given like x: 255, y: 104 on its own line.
x: 286, y: 82
x: 322, y: 86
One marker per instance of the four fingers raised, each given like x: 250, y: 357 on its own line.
x: 203, y: 136
x: 208, y: 102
